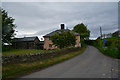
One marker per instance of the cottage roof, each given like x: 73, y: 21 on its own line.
x: 58, y: 31
x: 25, y: 39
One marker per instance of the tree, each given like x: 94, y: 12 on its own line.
x: 98, y: 38
x: 63, y: 39
x: 115, y: 34
x: 7, y: 27
x: 82, y: 30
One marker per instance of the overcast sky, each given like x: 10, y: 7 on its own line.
x: 40, y: 18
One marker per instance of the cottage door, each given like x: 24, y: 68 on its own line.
x: 27, y: 45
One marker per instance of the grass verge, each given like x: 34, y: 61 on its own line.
x: 110, y: 51
x: 20, y: 69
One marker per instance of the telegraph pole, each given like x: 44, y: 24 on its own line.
x: 100, y: 33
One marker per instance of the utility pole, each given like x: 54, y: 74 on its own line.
x: 100, y: 33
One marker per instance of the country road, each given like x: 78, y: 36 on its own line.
x: 90, y: 64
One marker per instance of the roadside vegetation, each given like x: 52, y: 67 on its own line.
x: 19, y: 69
x: 110, y: 48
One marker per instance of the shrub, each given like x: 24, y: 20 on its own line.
x: 6, y: 48
x: 110, y: 48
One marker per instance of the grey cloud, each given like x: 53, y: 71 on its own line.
x: 44, y: 17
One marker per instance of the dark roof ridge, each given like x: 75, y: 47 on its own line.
x: 25, y: 39
x: 58, y: 30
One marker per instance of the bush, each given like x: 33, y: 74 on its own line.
x: 111, y: 51
x: 110, y: 48
x: 108, y: 43
x: 6, y: 48
x: 90, y: 42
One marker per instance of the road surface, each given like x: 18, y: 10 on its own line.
x: 90, y: 64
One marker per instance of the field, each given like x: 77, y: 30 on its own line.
x: 22, y: 51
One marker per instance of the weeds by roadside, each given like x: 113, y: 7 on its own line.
x: 110, y: 48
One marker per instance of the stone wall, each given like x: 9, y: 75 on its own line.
x: 11, y: 59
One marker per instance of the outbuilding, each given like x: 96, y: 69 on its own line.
x: 27, y: 43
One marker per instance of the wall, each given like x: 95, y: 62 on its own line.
x: 47, y: 42
x: 23, y: 45
x: 78, y: 44
x: 12, y: 59
x: 27, y: 45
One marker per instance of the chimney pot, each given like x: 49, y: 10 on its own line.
x: 62, y: 26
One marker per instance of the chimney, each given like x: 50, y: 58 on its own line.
x: 62, y: 26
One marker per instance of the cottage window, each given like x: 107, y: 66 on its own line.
x: 49, y: 38
x: 50, y: 45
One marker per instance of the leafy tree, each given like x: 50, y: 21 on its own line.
x: 82, y: 30
x: 8, y: 27
x: 98, y: 38
x: 63, y: 39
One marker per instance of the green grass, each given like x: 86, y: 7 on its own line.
x: 110, y: 51
x: 113, y: 38
x: 22, y: 51
x: 15, y: 70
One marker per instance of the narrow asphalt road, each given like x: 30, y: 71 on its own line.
x: 90, y: 64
